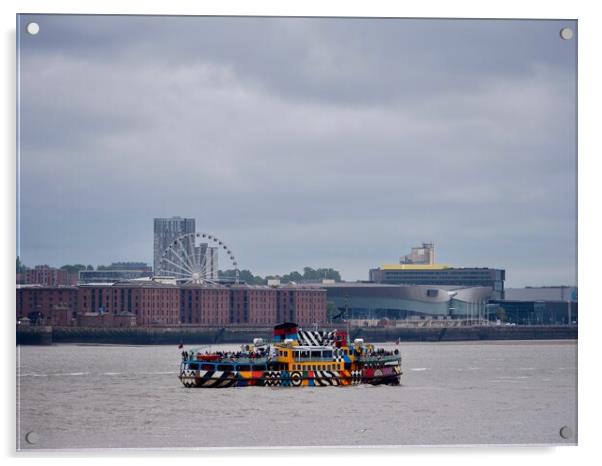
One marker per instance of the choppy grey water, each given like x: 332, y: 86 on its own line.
x: 82, y: 396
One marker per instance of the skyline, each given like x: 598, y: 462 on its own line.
x: 266, y: 276
x: 310, y: 146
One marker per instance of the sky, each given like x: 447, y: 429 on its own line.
x: 301, y: 141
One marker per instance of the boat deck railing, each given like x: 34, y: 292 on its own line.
x: 379, y: 358
x: 235, y: 360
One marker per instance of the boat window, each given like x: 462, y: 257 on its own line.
x: 316, y: 354
x: 258, y: 368
x: 224, y: 367
x: 243, y: 368
x: 207, y: 367
x: 193, y: 366
x: 327, y: 354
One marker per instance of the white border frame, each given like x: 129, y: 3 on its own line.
x: 590, y: 31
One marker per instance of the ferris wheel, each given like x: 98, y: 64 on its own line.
x: 192, y: 258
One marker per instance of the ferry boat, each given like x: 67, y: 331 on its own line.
x: 295, y: 358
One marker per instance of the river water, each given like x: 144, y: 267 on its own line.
x: 99, y: 396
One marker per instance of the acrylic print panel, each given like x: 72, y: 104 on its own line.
x: 262, y: 231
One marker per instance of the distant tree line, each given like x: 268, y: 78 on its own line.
x: 71, y: 268
x: 21, y: 268
x: 75, y: 268
x: 309, y: 275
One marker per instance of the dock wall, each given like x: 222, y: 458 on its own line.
x: 213, y: 335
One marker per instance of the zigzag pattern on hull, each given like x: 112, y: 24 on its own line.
x: 222, y: 379
x: 272, y: 379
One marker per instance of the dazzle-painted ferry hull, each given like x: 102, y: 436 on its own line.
x: 223, y: 379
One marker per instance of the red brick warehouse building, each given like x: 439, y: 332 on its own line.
x: 156, y: 303
x: 303, y: 305
x: 204, y: 305
x: 49, y: 276
x: 253, y: 305
x: 152, y: 303
x: 52, y: 305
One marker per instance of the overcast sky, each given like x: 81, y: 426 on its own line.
x: 301, y: 142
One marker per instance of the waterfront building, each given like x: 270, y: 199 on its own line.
x: 560, y: 293
x: 166, y: 230
x: 51, y: 305
x: 440, y: 274
x: 268, y: 305
x: 151, y: 302
x: 375, y: 301
x: 305, y: 305
x: 204, y: 305
x: 156, y: 302
x: 253, y: 305
x: 49, y: 276
x: 549, y: 305
x: 424, y: 254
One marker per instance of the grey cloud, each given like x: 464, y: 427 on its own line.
x: 301, y: 141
